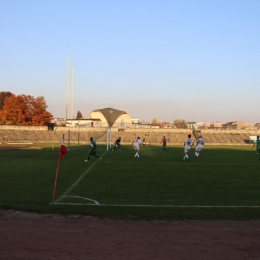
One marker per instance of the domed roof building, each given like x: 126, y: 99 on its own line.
x: 111, y: 117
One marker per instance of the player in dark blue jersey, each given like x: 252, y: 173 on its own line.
x: 117, y: 144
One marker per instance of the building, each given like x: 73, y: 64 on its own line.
x: 111, y: 117
x: 198, y: 125
x: 216, y: 125
x: 95, y: 122
x: 238, y: 125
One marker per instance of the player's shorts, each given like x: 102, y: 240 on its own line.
x: 198, y: 147
x: 136, y: 146
x: 186, y: 149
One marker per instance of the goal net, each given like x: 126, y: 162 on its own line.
x: 100, y: 135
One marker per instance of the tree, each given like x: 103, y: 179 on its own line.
x: 3, y: 96
x: 154, y: 122
x: 79, y: 115
x: 161, y: 125
x: 180, y: 123
x: 42, y: 102
x: 24, y: 110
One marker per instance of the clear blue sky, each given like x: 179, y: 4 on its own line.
x: 166, y: 59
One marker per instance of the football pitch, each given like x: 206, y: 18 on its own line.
x: 223, y: 183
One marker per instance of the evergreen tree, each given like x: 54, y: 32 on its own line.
x: 79, y: 115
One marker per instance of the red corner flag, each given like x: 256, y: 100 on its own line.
x: 61, y: 155
x: 62, y: 149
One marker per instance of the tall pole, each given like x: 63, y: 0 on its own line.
x: 67, y: 87
x: 72, y: 93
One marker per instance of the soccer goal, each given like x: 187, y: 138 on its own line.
x: 106, y: 133
x: 101, y: 135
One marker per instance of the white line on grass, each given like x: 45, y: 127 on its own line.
x: 155, y: 206
x: 83, y: 199
x: 78, y: 180
x: 182, y: 162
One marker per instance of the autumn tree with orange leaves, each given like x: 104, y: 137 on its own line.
x: 3, y: 96
x: 24, y: 110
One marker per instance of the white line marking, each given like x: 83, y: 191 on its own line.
x: 182, y: 162
x: 78, y: 180
x: 155, y: 206
x: 82, y: 198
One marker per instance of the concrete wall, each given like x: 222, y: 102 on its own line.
x: 41, y: 134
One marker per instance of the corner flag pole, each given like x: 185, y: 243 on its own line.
x: 61, y: 155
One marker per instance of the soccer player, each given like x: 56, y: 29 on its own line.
x: 188, y: 142
x: 92, y: 151
x: 164, y: 141
x: 257, y: 145
x: 199, y: 146
x: 137, y: 143
x: 117, y: 144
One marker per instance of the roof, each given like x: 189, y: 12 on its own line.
x: 110, y: 114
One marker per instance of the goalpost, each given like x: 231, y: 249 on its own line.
x: 96, y: 134
x: 108, y: 137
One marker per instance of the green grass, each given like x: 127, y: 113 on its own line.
x: 223, y: 183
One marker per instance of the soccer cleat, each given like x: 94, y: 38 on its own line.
x: 85, y: 160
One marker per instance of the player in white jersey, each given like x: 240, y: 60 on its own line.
x: 188, y: 143
x: 199, y: 146
x: 137, y: 143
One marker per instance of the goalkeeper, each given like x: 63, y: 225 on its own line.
x: 93, y: 148
x: 257, y: 145
x: 117, y: 144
